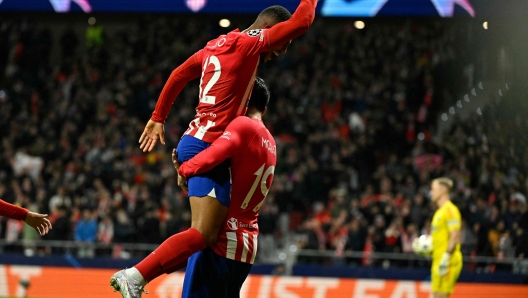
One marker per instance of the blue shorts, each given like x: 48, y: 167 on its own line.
x: 215, y: 183
x: 209, y: 275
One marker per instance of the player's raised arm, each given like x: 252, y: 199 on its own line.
x: 154, y: 131
x: 221, y: 149
x: 296, y: 26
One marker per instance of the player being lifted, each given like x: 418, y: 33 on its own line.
x: 220, y: 270
x: 445, y: 231
x: 227, y: 67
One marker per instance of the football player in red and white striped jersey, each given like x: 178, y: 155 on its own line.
x: 227, y: 69
x: 220, y: 270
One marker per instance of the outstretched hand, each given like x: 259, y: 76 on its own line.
x: 38, y: 222
x: 153, y: 132
x: 182, y: 182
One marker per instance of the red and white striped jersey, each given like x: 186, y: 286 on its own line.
x: 229, y: 70
x: 252, y: 151
x: 228, y: 66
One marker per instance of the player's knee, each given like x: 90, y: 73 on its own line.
x: 210, y: 238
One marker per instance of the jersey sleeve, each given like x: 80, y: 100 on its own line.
x: 191, y: 69
x: 264, y: 40
x: 12, y: 211
x: 229, y: 144
x: 453, y: 219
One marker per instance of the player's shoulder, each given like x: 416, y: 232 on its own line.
x: 451, y: 206
x: 241, y: 124
x: 247, y: 125
x: 263, y: 130
x: 454, y: 208
x: 253, y: 33
x: 450, y: 209
x: 253, y: 36
x: 224, y: 39
x: 241, y: 120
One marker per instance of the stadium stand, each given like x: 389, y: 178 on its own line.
x: 354, y: 113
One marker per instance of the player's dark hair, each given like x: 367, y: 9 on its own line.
x: 260, y: 95
x: 276, y: 12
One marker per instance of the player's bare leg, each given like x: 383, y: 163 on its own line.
x: 207, y: 217
x: 440, y: 295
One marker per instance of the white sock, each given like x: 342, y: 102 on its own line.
x: 136, y: 275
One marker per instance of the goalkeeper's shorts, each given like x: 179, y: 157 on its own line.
x: 446, y: 283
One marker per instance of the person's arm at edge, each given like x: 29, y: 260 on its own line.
x: 191, y: 69
x: 12, y: 211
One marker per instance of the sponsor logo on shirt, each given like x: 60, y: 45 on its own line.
x: 248, y: 226
x: 254, y: 33
x: 232, y: 223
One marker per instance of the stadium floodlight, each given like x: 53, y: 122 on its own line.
x: 224, y: 23
x: 359, y: 24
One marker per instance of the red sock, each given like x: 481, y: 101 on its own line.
x: 172, y: 253
x: 175, y: 268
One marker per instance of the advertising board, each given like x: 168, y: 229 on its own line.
x: 58, y: 282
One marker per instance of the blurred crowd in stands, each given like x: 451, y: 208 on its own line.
x: 354, y: 113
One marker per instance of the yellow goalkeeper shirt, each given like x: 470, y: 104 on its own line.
x: 446, y: 219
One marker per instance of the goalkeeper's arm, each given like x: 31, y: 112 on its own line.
x: 454, y: 239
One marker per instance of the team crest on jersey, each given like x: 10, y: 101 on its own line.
x: 254, y: 33
x: 232, y: 223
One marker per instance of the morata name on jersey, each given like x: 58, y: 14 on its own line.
x: 268, y: 145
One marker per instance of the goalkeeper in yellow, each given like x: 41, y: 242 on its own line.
x: 445, y: 232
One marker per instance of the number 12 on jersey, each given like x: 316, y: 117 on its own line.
x: 210, y: 99
x: 262, y: 177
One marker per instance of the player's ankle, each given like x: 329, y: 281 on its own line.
x: 136, y: 275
